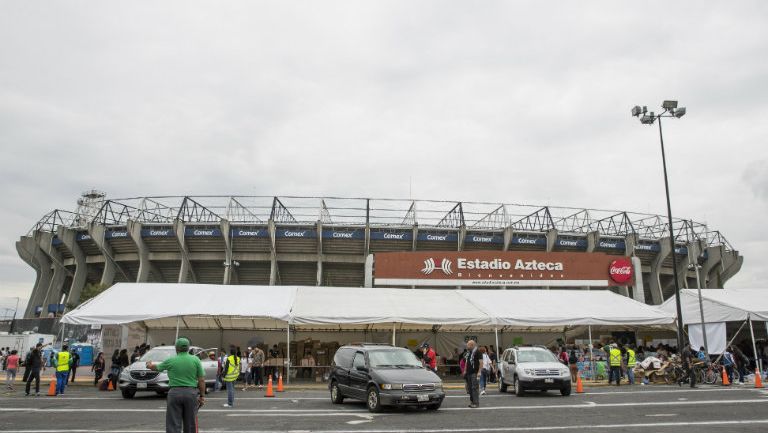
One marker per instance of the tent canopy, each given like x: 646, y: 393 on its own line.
x: 720, y: 305
x: 205, y: 306
x: 549, y: 308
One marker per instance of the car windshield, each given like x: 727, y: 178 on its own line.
x: 535, y: 356
x: 400, y: 358
x: 157, y: 355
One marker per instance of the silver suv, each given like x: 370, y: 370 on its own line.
x: 137, y: 377
x: 526, y: 368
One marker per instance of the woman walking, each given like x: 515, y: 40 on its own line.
x: 115, y: 368
x: 485, y: 371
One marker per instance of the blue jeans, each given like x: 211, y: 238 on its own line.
x: 483, y: 379
x: 230, y: 393
x: 631, y: 376
x: 61, y: 381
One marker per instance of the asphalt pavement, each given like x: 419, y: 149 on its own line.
x: 629, y: 408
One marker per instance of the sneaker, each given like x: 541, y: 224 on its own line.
x: 37, y: 394
x: 473, y: 406
x: 482, y: 392
x: 226, y: 405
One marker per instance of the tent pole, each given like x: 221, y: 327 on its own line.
x: 591, y: 361
x: 754, y: 347
x: 62, y: 333
x: 288, y: 354
x: 393, y: 333
x: 178, y: 319
x: 496, y: 332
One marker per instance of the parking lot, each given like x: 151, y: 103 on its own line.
x: 637, y: 408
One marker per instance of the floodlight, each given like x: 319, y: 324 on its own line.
x: 646, y: 119
x: 680, y: 112
x: 669, y: 105
x: 645, y: 109
x: 636, y: 110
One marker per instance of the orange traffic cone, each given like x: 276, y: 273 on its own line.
x: 758, y: 379
x: 52, y: 387
x: 280, y: 383
x: 579, y: 385
x: 269, y: 388
x: 726, y: 382
x: 110, y: 386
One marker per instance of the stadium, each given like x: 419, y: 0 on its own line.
x: 332, y: 241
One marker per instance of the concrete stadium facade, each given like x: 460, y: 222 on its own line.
x: 326, y: 241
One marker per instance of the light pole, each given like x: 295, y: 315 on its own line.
x: 646, y: 118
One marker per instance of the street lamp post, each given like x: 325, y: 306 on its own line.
x: 646, y: 118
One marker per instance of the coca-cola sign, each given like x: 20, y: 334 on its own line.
x: 620, y: 270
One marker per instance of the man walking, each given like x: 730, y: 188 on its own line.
x: 688, y: 358
x: 62, y: 362
x: 473, y: 362
x: 631, y: 362
x: 75, y: 363
x: 258, y: 367
x: 187, y: 393
x: 34, y: 365
x: 231, y: 373
x: 429, y: 358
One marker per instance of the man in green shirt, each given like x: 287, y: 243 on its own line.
x: 187, y: 393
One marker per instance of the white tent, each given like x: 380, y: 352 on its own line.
x: 720, y: 305
x: 207, y: 306
x: 550, y: 308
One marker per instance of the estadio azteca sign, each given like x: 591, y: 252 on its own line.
x: 501, y: 268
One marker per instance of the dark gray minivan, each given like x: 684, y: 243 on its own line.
x: 383, y: 375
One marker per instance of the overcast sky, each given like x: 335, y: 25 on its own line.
x: 523, y: 102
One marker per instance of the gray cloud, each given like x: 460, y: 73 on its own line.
x: 493, y: 102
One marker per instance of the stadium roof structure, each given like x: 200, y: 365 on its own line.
x: 330, y: 211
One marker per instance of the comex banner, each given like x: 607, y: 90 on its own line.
x: 510, y: 268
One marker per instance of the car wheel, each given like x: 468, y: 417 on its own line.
x: 373, y: 401
x: 435, y: 406
x: 128, y: 393
x: 502, y: 385
x: 519, y: 391
x: 336, y: 397
x: 566, y: 391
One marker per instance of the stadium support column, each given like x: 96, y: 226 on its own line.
x: 551, y: 239
x: 682, y: 269
x: 55, y: 287
x: 657, y: 295
x: 711, y: 266
x: 732, y: 262
x: 272, y: 253
x: 413, y: 245
x: 592, y: 239
x: 507, y: 238
x: 145, y: 266
x: 30, y: 252
x: 629, y: 251
x: 68, y: 238
x: 229, y: 267
x: 186, y: 266
x: 319, y: 254
x: 97, y: 232
x: 462, y: 236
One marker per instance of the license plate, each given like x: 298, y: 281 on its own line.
x: 141, y: 385
x: 549, y: 380
x: 422, y: 397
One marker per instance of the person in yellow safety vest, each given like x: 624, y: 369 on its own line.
x: 231, y: 373
x: 62, y: 361
x: 631, y: 361
x: 614, y: 361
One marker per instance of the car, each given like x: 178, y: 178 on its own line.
x: 383, y: 375
x: 137, y: 377
x: 532, y: 368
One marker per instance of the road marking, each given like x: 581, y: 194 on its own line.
x: 472, y: 429
x: 662, y: 414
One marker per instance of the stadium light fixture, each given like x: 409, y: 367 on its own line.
x: 670, y: 110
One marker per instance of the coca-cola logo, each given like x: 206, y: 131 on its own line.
x: 620, y: 270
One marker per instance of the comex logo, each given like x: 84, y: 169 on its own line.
x: 430, y: 266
